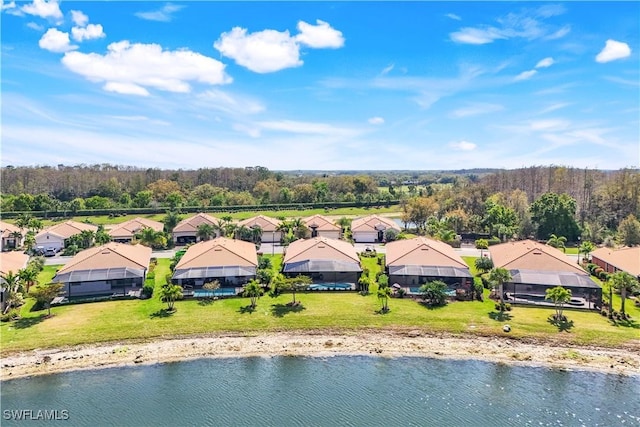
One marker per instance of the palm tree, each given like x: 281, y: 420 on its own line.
x: 13, y: 286
x: 243, y: 232
x: 499, y: 276
x: 253, y: 290
x: 35, y: 224
x: 87, y: 237
x: 151, y: 238
x: 102, y: 237
x: 623, y: 282
x: 297, y: 284
x: 344, y: 223
x: 29, y: 241
x: 29, y: 277
x: 205, y: 231
x: 483, y: 264
x: 171, y: 219
x: 383, y: 295
x: 256, y: 234
x: 560, y: 296
x: 446, y: 235
x: 169, y: 293
x: 585, y: 249
x: 557, y: 242
x: 23, y: 220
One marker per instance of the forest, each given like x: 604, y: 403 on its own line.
x: 535, y: 201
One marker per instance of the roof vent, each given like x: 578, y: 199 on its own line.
x: 105, y: 252
x: 321, y: 246
x: 537, y: 253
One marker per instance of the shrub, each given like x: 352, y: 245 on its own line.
x: 597, y: 271
x: 400, y: 293
x: 591, y: 267
x: 603, y: 275
x: 494, y: 241
x: 506, y: 307
x: 10, y: 315
x: 147, y: 290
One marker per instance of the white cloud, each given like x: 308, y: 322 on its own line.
x: 470, y: 35
x: 546, y: 62
x: 56, y: 41
x: 453, y: 16
x: 90, y: 32
x: 224, y: 101
x: 164, y: 14
x: 386, y: 70
x: 463, y: 146
x: 528, y: 24
x: 376, y: 120
x: 309, y: 128
x: 34, y: 26
x: 613, y: 50
x: 525, y: 75
x: 44, y: 9
x: 79, y: 18
x: 559, y: 34
x: 7, y: 5
x: 131, y: 68
x: 548, y: 125
x: 319, y: 36
x: 263, y: 52
x: 475, y: 109
x: 554, y: 107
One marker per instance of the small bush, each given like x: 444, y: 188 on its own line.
x: 12, y: 314
x: 147, y: 290
x: 603, y: 275
x: 597, y: 271
x: 494, y: 241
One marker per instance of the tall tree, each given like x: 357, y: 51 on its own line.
x: 585, y: 249
x: 499, y: 276
x: 560, y: 296
x: 384, y: 293
x: 253, y: 290
x: 205, y: 231
x: 13, y: 290
x: 170, y: 220
x: 46, y: 293
x: 169, y: 293
x: 29, y: 277
x: 555, y: 214
x: 624, y: 283
x: 629, y: 231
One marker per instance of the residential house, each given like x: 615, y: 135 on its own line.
x: 10, y: 262
x: 11, y: 236
x: 413, y: 262
x: 111, y: 269
x: 125, y: 232
x: 623, y: 259
x: 186, y: 231
x: 536, y: 267
x: 268, y: 225
x: 325, y: 260
x: 372, y: 228
x: 321, y: 226
x: 231, y: 262
x: 55, y: 237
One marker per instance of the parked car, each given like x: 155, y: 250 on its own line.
x: 50, y: 252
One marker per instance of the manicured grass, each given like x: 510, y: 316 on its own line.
x: 348, y: 212
x: 346, y: 311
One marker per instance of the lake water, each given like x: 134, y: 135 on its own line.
x: 336, y: 391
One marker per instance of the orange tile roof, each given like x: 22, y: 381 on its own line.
x: 625, y: 259
x: 266, y: 223
x: 220, y: 251
x: 6, y: 229
x: 321, y: 248
x: 530, y: 255
x: 67, y: 229
x: 111, y: 255
x: 370, y: 222
x: 13, y: 261
x: 321, y: 223
x: 191, y: 224
x: 131, y: 227
x: 422, y: 251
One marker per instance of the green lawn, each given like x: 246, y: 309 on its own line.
x: 145, y: 319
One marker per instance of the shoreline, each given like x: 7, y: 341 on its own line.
x: 323, y: 344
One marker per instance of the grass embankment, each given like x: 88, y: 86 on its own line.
x: 290, y: 213
x: 146, y: 319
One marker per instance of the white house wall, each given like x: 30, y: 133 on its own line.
x: 50, y: 241
x: 365, y: 236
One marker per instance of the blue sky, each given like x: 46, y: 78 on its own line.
x: 321, y: 85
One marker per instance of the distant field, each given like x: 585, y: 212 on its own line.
x: 144, y: 319
x: 348, y: 212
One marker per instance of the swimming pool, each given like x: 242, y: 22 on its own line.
x: 331, y: 287
x: 222, y: 292
x: 416, y: 291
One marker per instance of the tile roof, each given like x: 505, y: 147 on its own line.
x: 321, y: 248
x: 67, y: 229
x: 220, y: 251
x: 321, y: 223
x: 626, y: 259
x: 6, y: 229
x: 131, y: 227
x: 191, y: 224
x: 371, y: 223
x: 422, y: 251
x: 111, y: 255
x: 530, y: 255
x: 266, y: 223
x: 13, y: 261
